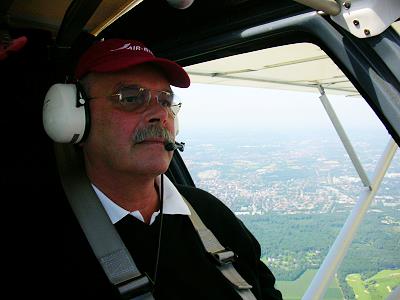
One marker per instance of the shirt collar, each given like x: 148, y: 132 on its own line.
x: 173, y: 203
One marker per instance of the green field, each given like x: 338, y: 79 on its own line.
x: 377, y: 287
x: 294, y: 290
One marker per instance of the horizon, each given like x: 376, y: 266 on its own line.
x: 271, y: 116
x: 204, y: 109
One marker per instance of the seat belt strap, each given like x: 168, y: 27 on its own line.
x: 223, y: 257
x: 103, y: 238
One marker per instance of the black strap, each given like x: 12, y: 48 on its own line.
x: 105, y: 241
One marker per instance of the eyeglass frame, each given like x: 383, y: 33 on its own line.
x: 119, y: 104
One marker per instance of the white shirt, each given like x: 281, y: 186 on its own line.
x: 173, y: 203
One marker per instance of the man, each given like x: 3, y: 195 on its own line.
x: 127, y: 150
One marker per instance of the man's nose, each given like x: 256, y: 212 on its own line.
x: 155, y: 112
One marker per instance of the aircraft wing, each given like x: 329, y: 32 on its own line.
x: 299, y: 67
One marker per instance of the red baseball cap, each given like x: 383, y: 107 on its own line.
x: 116, y: 54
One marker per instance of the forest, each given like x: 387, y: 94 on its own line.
x: 294, y: 243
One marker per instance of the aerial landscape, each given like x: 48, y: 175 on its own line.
x: 294, y: 192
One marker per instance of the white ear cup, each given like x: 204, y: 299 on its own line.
x: 64, y: 121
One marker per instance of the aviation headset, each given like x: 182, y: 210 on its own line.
x: 66, y: 115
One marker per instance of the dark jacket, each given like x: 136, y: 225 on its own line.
x: 185, y: 270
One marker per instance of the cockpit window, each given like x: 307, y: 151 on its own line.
x: 260, y: 135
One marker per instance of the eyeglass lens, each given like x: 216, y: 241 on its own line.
x: 134, y: 98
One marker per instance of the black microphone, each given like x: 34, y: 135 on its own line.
x: 171, y: 146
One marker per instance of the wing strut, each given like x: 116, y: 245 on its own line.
x: 338, y: 250
x: 343, y: 136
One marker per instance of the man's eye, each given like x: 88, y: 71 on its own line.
x: 131, y: 96
x: 130, y: 99
x: 164, y: 103
x: 165, y: 100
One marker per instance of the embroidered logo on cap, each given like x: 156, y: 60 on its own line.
x: 129, y: 46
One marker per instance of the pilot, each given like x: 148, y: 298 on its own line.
x: 126, y: 152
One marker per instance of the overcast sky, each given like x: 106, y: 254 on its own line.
x: 211, y: 107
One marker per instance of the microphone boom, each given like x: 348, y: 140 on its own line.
x: 173, y: 146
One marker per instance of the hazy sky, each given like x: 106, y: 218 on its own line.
x: 211, y: 107
x: 207, y: 109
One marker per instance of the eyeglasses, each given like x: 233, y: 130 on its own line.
x: 135, y: 98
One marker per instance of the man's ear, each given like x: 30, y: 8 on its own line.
x: 66, y: 113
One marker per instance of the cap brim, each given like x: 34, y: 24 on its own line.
x: 176, y: 75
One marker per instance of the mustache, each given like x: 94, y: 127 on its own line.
x: 152, y: 131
